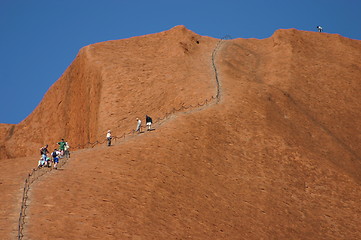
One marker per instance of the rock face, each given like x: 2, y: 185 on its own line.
x: 109, y: 84
x: 276, y: 156
x: 6, y: 131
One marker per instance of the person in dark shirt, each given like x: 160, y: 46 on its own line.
x: 55, y: 156
x: 149, y: 122
x: 43, y: 152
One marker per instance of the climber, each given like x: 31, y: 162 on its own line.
x: 55, y: 156
x: 41, y: 162
x: 66, y: 150
x: 62, y: 146
x: 149, y: 122
x: 139, y: 125
x: 43, y: 152
x: 109, y: 137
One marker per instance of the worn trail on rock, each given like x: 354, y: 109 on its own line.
x: 37, y: 173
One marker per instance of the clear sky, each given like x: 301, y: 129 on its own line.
x: 40, y: 38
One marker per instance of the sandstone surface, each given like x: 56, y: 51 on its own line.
x: 271, y: 152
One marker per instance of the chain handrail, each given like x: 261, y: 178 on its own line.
x: 38, y: 172
x: 35, y: 174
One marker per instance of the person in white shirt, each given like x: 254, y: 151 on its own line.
x: 139, y: 125
x: 109, y: 137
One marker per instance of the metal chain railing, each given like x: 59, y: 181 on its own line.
x: 35, y: 174
x: 159, y: 119
x: 38, y: 172
x: 174, y: 110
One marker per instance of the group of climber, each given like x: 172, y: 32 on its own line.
x: 138, y: 129
x: 48, y: 159
x: 148, y: 121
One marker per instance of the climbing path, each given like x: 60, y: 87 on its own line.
x: 35, y: 174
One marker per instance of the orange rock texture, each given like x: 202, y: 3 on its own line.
x: 109, y: 84
x: 262, y: 141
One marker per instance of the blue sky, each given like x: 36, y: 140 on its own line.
x: 40, y: 38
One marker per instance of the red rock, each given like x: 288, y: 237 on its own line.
x: 277, y: 157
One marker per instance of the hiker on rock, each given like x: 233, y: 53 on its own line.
x: 43, y: 152
x: 62, y: 146
x: 139, y: 125
x: 41, y: 162
x: 55, y: 156
x: 149, y: 122
x: 109, y: 137
x: 319, y: 28
x: 66, y: 150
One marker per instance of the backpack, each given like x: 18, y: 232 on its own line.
x: 54, y: 154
